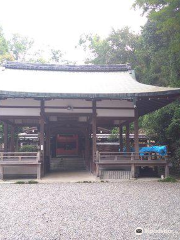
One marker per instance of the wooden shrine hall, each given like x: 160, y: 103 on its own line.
x: 67, y: 103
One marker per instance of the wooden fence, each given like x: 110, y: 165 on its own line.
x: 128, y: 157
x: 20, y: 159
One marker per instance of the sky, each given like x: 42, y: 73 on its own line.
x: 59, y: 23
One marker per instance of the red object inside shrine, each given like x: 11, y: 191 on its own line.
x: 67, y: 145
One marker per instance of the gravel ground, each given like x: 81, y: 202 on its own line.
x: 90, y: 211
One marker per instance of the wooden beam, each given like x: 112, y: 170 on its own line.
x: 8, y: 122
x: 58, y: 114
x: 18, y: 117
x: 65, y: 107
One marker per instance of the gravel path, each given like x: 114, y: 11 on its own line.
x: 89, y: 211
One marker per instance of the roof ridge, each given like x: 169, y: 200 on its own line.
x: 69, y: 68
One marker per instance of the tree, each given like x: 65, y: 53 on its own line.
x: 155, y: 56
x: 96, y: 48
x: 20, y: 46
x: 38, y: 57
x: 56, y: 55
x: 159, y: 63
x: 119, y: 47
x: 164, y: 12
x: 161, y: 40
x: 4, y: 49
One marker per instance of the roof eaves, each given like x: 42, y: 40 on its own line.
x: 68, y: 68
x: 12, y: 94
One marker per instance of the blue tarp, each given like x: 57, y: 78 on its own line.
x: 162, y: 150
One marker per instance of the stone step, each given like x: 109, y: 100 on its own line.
x: 64, y: 163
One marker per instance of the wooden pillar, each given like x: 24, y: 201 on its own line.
x: 94, y: 126
x: 12, y: 143
x: 127, y: 138
x: 133, y: 171
x: 41, y: 122
x: 121, y: 138
x: 48, y: 148
x: 136, y: 133
x: 17, y: 145
x: 87, y: 148
x: 166, y: 171
x: 5, y: 137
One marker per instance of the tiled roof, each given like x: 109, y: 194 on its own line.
x: 69, y: 68
x: 26, y: 80
x: 20, y: 80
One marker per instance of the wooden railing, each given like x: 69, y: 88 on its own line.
x: 29, y: 159
x: 128, y: 156
x: 20, y: 157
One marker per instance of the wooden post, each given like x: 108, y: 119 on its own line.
x: 136, y: 134
x: 87, y: 148
x: 121, y: 138
x: 94, y: 126
x: 97, y: 166
x: 127, y: 138
x: 12, y: 145
x: 47, y: 148
x: 132, y: 171
x: 42, y: 137
x: 39, y: 171
x: 1, y: 172
x: 42, y: 144
x: 166, y: 171
x: 5, y: 137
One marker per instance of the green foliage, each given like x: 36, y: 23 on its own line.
x: 164, y: 12
x: 168, y: 179
x: 28, y: 182
x: 56, y: 55
x: 155, y: 56
x: 32, y: 182
x: 159, y: 64
x: 164, y: 127
x: 4, y: 49
x: 118, y: 47
x: 114, y: 135
x: 155, y: 125
x: 20, y: 182
x: 38, y: 57
x: 20, y: 46
x: 85, y: 182
x: 98, y: 48
x: 28, y: 148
